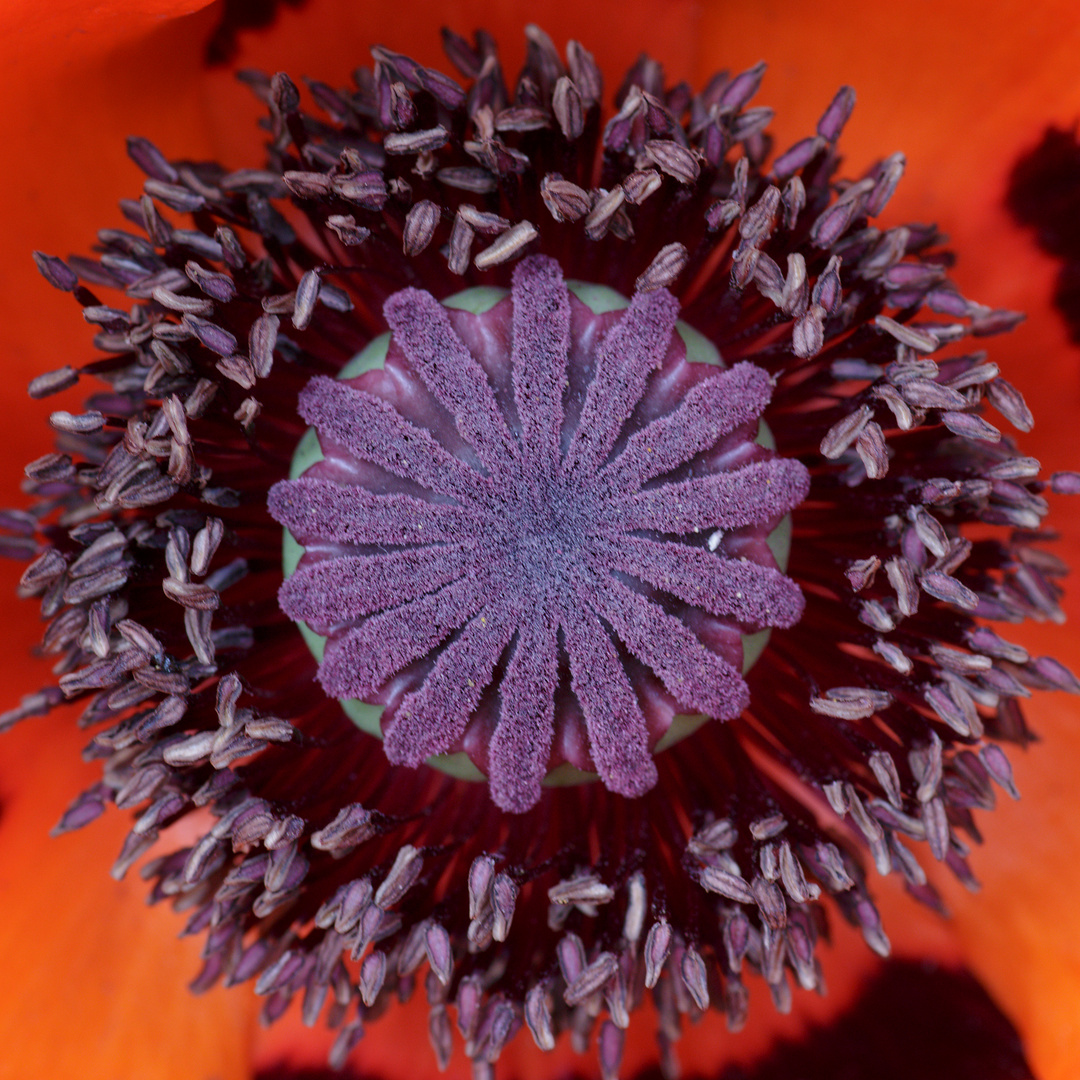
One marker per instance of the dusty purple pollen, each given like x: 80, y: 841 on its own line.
x: 538, y: 534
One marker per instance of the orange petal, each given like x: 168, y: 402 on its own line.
x: 131, y: 72
x: 95, y: 982
x: 82, y: 81
x: 963, y: 92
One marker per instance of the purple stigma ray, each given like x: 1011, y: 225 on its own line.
x: 613, y: 716
x: 712, y: 408
x: 355, y: 585
x: 628, y: 355
x: 737, y: 587
x: 521, y: 745
x: 495, y: 572
x: 431, y: 719
x: 320, y: 509
x: 539, y: 357
x: 756, y: 492
x: 450, y: 372
x: 370, y: 429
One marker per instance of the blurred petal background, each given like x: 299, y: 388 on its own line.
x: 95, y: 981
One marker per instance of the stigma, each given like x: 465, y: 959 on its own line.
x: 545, y: 594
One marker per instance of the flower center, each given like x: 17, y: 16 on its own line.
x: 543, y: 539
x: 530, y: 531
x: 535, y: 533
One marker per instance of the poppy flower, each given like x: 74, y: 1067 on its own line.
x: 288, y: 838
